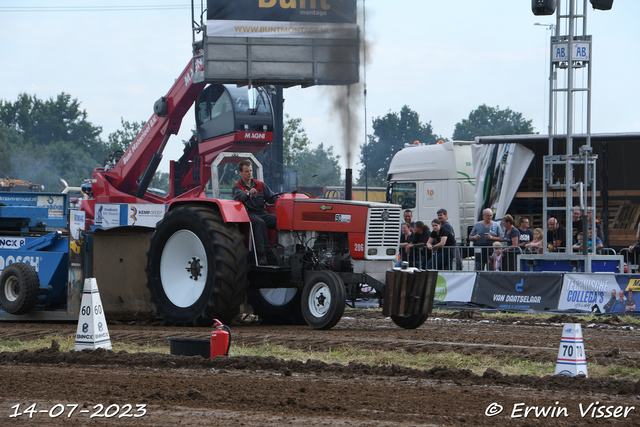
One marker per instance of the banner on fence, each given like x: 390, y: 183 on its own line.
x: 531, y: 291
x: 584, y: 291
x: 455, y: 286
x: 599, y: 292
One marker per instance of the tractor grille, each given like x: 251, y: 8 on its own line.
x: 383, y: 231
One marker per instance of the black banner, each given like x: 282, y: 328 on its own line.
x: 321, y: 11
x: 530, y: 291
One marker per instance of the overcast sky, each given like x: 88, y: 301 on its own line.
x: 441, y: 58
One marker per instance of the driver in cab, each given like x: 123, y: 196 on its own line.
x: 253, y: 193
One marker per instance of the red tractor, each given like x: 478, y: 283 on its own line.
x: 322, y: 254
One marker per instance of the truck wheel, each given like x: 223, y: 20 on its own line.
x: 410, y: 322
x: 323, y: 300
x: 277, y: 306
x: 196, y: 267
x: 20, y: 288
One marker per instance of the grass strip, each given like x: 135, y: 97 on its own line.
x: 345, y: 355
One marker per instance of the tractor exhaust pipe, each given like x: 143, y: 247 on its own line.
x: 348, y: 184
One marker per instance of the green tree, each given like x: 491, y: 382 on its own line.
x: 295, y: 140
x: 315, y: 166
x: 48, y: 122
x: 487, y: 120
x: 48, y: 140
x: 121, y: 139
x: 390, y: 133
x: 319, y: 166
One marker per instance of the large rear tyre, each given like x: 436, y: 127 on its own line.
x: 277, y: 306
x: 410, y: 322
x: 323, y: 300
x: 196, y: 267
x: 20, y: 288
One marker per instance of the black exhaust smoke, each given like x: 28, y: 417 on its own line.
x: 348, y: 184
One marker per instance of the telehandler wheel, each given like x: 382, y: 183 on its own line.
x: 323, y: 300
x: 20, y: 287
x: 277, y: 306
x: 410, y: 322
x: 197, y: 267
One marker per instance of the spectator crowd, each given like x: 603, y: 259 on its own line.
x: 495, y: 245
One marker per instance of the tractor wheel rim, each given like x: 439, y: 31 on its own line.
x: 183, y: 268
x: 278, y: 296
x: 319, y: 299
x: 12, y: 289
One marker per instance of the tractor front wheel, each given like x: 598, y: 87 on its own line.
x: 323, y: 300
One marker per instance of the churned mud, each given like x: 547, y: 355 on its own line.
x: 51, y: 387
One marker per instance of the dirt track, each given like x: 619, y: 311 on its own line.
x: 228, y: 391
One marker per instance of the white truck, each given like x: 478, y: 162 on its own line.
x: 424, y: 178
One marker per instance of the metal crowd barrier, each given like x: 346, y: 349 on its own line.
x: 462, y: 258
x: 470, y: 258
x: 631, y: 259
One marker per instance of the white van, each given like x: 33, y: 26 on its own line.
x: 424, y: 178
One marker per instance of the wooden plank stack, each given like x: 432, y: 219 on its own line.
x: 409, y: 292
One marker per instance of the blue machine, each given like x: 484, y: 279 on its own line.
x: 34, y: 247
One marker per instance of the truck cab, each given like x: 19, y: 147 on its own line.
x: 424, y: 178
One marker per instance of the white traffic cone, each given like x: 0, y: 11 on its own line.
x: 572, y: 359
x: 92, y: 330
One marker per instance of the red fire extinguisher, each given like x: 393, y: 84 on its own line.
x: 220, y: 339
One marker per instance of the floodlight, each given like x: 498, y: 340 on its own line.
x: 602, y: 4
x: 544, y: 7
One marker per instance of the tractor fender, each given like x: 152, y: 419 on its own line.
x: 231, y: 210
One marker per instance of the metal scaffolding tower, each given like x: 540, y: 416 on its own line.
x: 566, y: 171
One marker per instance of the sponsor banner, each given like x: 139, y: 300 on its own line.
x: 531, y: 291
x: 455, y: 287
x: 120, y: 215
x: 10, y: 199
x: 107, y: 215
x: 76, y: 223
x: 583, y: 291
x: 54, y: 204
x: 12, y: 242
x: 629, y: 282
x: 322, y: 11
x: 281, y: 29
x: 144, y: 214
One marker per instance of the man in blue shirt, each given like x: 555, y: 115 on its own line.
x: 619, y: 306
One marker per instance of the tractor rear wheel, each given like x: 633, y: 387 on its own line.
x: 323, y: 300
x: 197, y: 267
x: 277, y: 306
x: 20, y: 287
